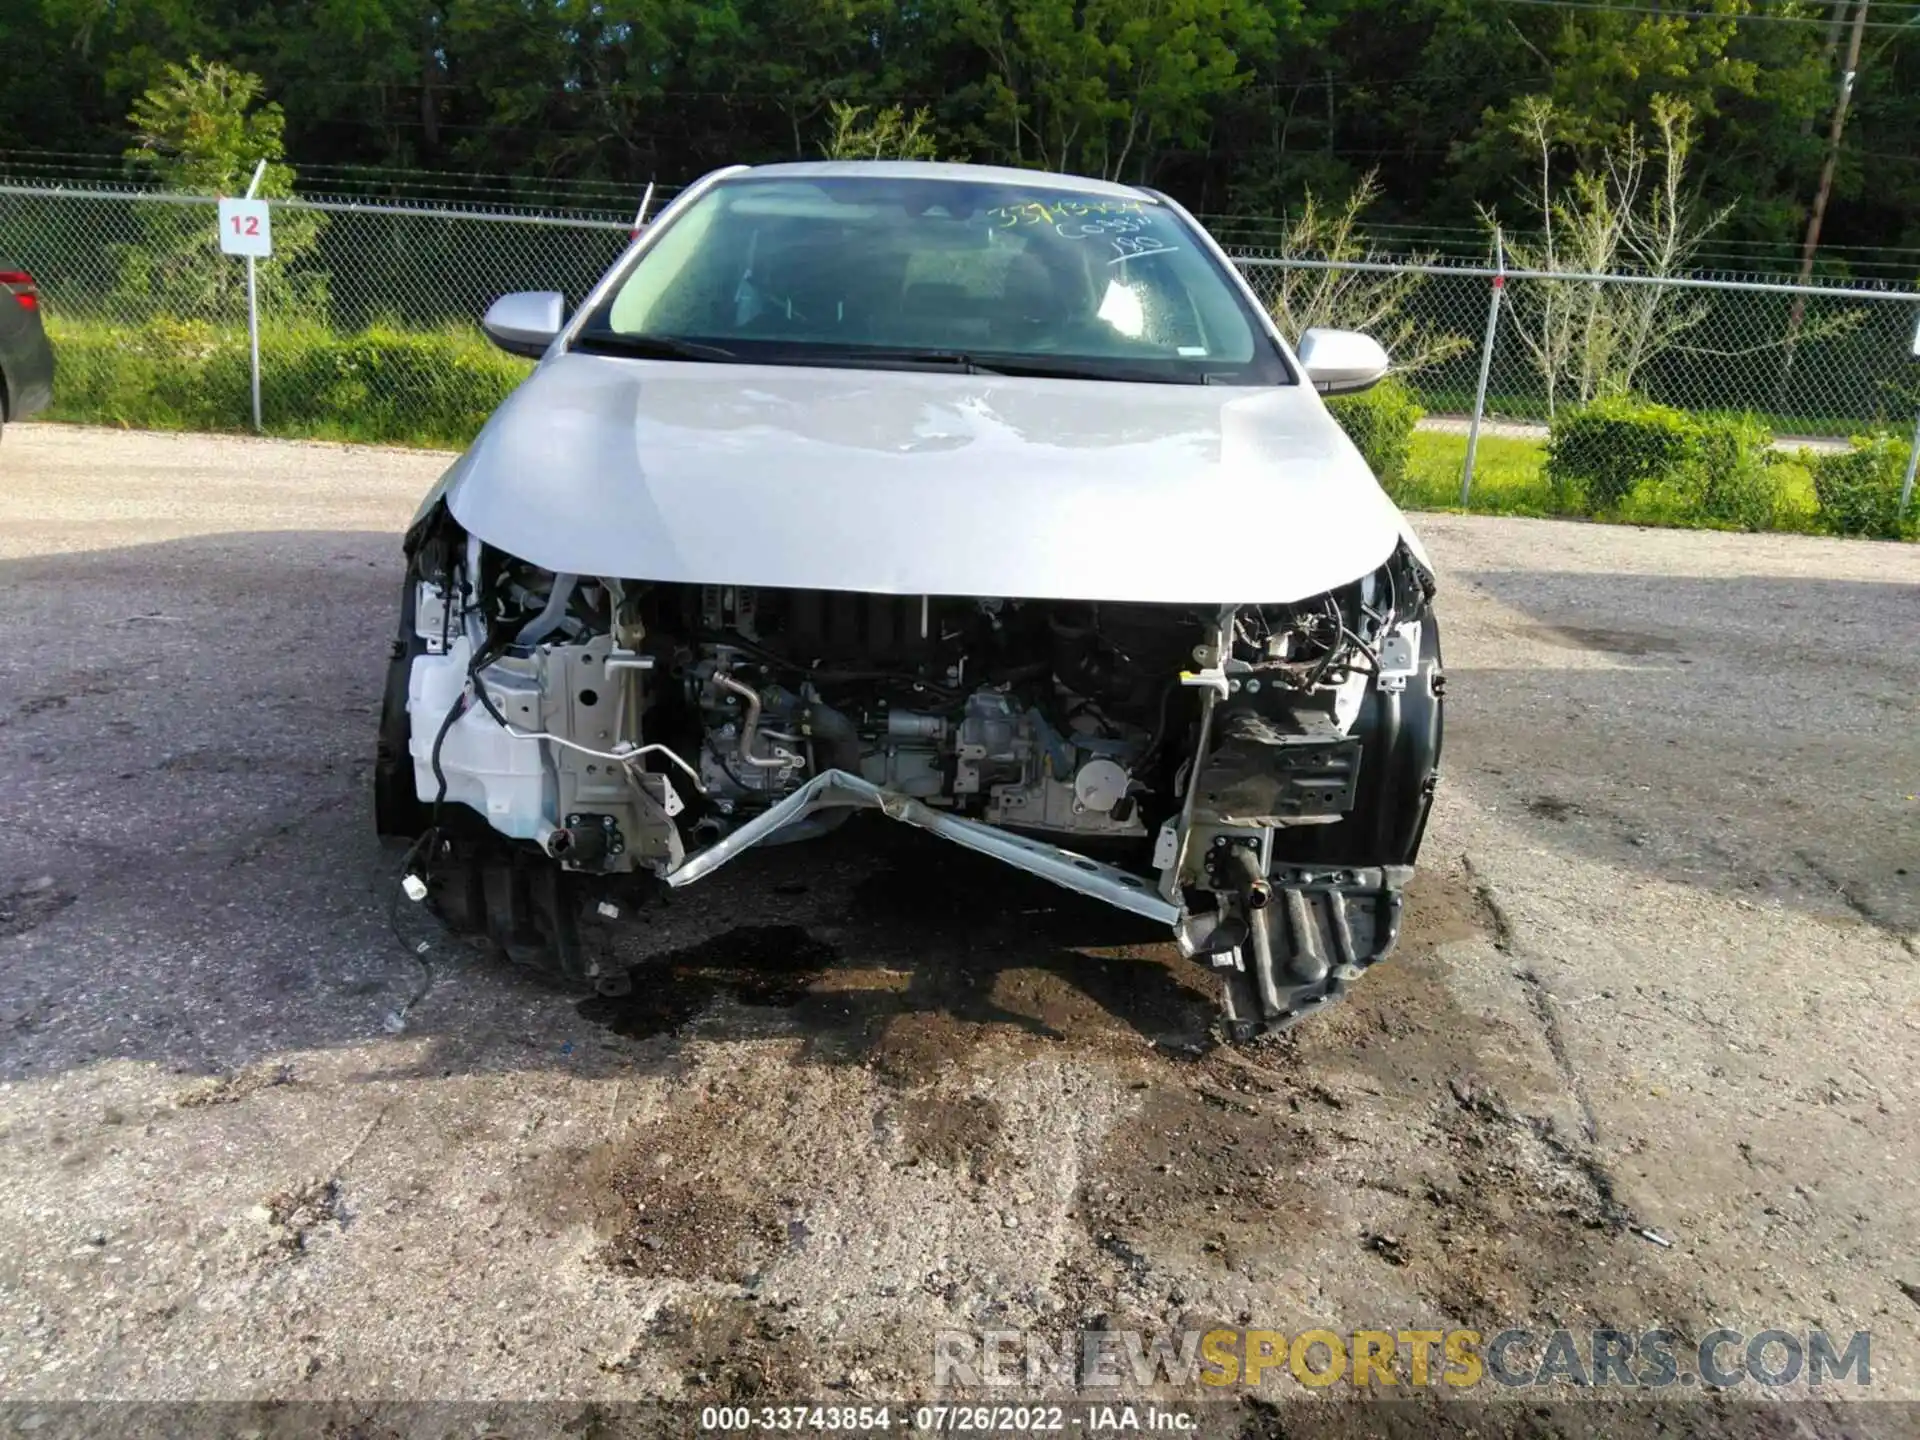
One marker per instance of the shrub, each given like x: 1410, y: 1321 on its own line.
x: 432, y: 387
x: 1380, y: 423
x: 1736, y: 477
x: 1858, y: 490
x: 384, y: 383
x: 1598, y: 454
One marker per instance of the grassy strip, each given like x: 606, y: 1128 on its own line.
x: 1509, y: 478
x: 1532, y: 410
x: 384, y: 384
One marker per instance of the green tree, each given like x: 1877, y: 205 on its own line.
x: 368, y: 80
x: 1379, y: 305
x: 1747, y: 88
x: 1105, y: 86
x: 1635, y: 210
x: 201, y: 131
x: 887, y: 135
x: 1238, y: 106
x: 639, y: 89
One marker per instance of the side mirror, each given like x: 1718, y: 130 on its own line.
x: 1339, y: 362
x: 525, y: 322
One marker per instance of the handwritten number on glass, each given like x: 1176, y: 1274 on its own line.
x: 1121, y: 222
x: 1135, y: 247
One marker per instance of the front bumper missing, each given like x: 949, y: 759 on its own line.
x: 1319, y: 929
x: 836, y: 789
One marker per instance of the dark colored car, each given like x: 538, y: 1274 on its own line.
x: 26, y: 359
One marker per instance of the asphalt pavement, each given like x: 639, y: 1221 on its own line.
x: 1646, y: 1057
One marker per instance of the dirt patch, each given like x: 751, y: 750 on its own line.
x: 761, y: 965
x: 917, y: 1049
x: 1443, y: 906
x: 231, y: 1089
x: 688, y: 1230
x: 1530, y: 1228
x: 1202, y: 1167
x: 1551, y: 807
x: 295, y: 1213
x: 1492, y: 1214
x: 677, y: 1199
x: 960, y: 1132
x: 737, y: 1350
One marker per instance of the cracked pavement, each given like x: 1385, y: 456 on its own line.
x: 1660, y: 976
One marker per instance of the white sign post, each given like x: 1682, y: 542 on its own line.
x: 246, y: 228
x: 640, y: 216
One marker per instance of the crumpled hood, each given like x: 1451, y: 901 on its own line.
x: 908, y: 483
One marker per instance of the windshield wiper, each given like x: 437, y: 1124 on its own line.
x: 1043, y: 368
x: 673, y: 347
x: 1036, y: 366
x: 652, y: 347
x: 931, y: 359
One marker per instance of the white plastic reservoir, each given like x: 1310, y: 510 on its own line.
x: 503, y: 778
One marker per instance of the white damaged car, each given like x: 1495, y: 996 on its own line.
x: 986, y: 499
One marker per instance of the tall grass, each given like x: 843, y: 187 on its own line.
x: 385, y: 384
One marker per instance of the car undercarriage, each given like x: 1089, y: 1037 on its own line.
x: 1254, y: 776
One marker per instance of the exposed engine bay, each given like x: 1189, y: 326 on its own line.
x: 1256, y: 776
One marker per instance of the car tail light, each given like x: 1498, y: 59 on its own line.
x: 22, y: 286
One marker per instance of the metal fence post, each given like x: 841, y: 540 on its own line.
x: 253, y: 310
x: 1913, y: 464
x: 1913, y: 451
x: 1486, y: 365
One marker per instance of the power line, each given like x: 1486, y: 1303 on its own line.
x: 1764, y: 17
x: 1460, y: 235
x: 105, y: 162
x: 309, y: 182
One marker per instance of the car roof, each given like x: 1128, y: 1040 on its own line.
x: 947, y: 170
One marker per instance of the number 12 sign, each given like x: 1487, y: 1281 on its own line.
x: 246, y: 228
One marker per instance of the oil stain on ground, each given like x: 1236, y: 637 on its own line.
x: 31, y: 905
x: 1609, y: 642
x: 763, y: 965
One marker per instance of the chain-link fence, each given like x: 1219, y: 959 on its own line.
x: 368, y: 313
x: 369, y: 322
x: 1817, y: 360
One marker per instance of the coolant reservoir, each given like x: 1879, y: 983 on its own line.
x: 486, y: 768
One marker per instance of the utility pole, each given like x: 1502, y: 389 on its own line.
x: 1834, y: 133
x: 1819, y: 213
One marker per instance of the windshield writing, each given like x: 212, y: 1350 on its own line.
x: 845, y: 269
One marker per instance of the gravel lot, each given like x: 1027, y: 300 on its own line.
x: 1661, y: 976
